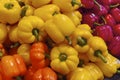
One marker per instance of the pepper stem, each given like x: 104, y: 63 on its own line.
x: 55, y: 13
x: 118, y: 72
x: 81, y: 41
x: 18, y: 78
x: 8, y: 5
x: 113, y: 6
x: 73, y: 2
x: 62, y: 56
x: 15, y: 45
x: 1, y: 54
x: 23, y: 12
x: 98, y: 53
x: 97, y: 3
x: 68, y: 39
x: 81, y: 62
x: 35, y: 32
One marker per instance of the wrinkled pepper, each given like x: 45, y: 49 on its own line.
x: 39, y: 56
x: 67, y: 5
x: 24, y: 51
x: 98, y: 49
x: 27, y: 10
x: 47, y: 11
x: 12, y: 34
x: 13, y: 66
x: 39, y: 3
x: 109, y: 68
x: 30, y: 29
x: 64, y: 59
x: 44, y: 74
x: 75, y: 16
x: 94, y: 70
x: 80, y: 39
x: 85, y: 26
x: 79, y: 74
x: 59, y: 27
x: 3, y: 32
x: 9, y: 11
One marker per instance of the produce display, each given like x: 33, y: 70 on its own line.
x: 59, y: 39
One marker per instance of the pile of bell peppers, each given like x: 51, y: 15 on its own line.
x: 46, y: 40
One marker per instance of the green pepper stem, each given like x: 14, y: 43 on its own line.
x: 1, y: 54
x: 21, y: 3
x: 73, y: 2
x: 47, y: 56
x: 62, y: 57
x: 113, y: 6
x: 55, y: 13
x: 98, y: 53
x: 81, y: 41
x: 68, y: 39
x: 15, y: 45
x: 118, y: 72
x: 8, y: 5
x: 97, y: 3
x: 36, y: 33
x: 23, y: 12
x: 81, y: 62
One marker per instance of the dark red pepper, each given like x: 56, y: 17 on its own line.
x: 114, y: 46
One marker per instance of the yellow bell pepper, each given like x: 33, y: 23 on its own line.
x: 67, y: 5
x: 80, y: 40
x: 24, y: 51
x: 9, y: 11
x: 98, y: 49
x: 3, y: 32
x: 30, y: 29
x: 27, y: 10
x: 109, y: 68
x: 64, y: 59
x: 85, y: 26
x: 39, y: 3
x: 47, y: 11
x: 59, y: 27
x: 75, y: 16
x: 12, y: 34
x: 79, y: 74
x: 95, y: 71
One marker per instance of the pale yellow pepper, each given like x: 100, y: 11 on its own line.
x: 39, y: 3
x: 67, y: 5
x: 75, y: 16
x: 9, y: 11
x: 3, y: 32
x: 24, y: 51
x: 79, y: 73
x: 12, y: 34
x: 59, y: 27
x: 47, y: 11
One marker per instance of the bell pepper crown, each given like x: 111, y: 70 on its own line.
x: 8, y: 6
x: 74, y: 2
x: 23, y: 12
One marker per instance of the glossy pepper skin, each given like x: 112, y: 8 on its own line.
x: 64, y: 59
x: 3, y: 32
x: 79, y: 73
x: 75, y: 16
x: 80, y: 40
x: 24, y: 51
x: 47, y: 11
x: 98, y: 49
x: 38, y: 3
x: 30, y: 29
x: 59, y: 27
x: 105, y: 32
x: 13, y: 66
x: 38, y: 52
x: 12, y: 34
x: 10, y: 11
x: 109, y: 68
x: 44, y: 74
x: 114, y: 45
x: 93, y: 70
x: 67, y: 5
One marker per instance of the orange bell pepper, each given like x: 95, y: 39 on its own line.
x: 38, y: 56
x: 13, y: 66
